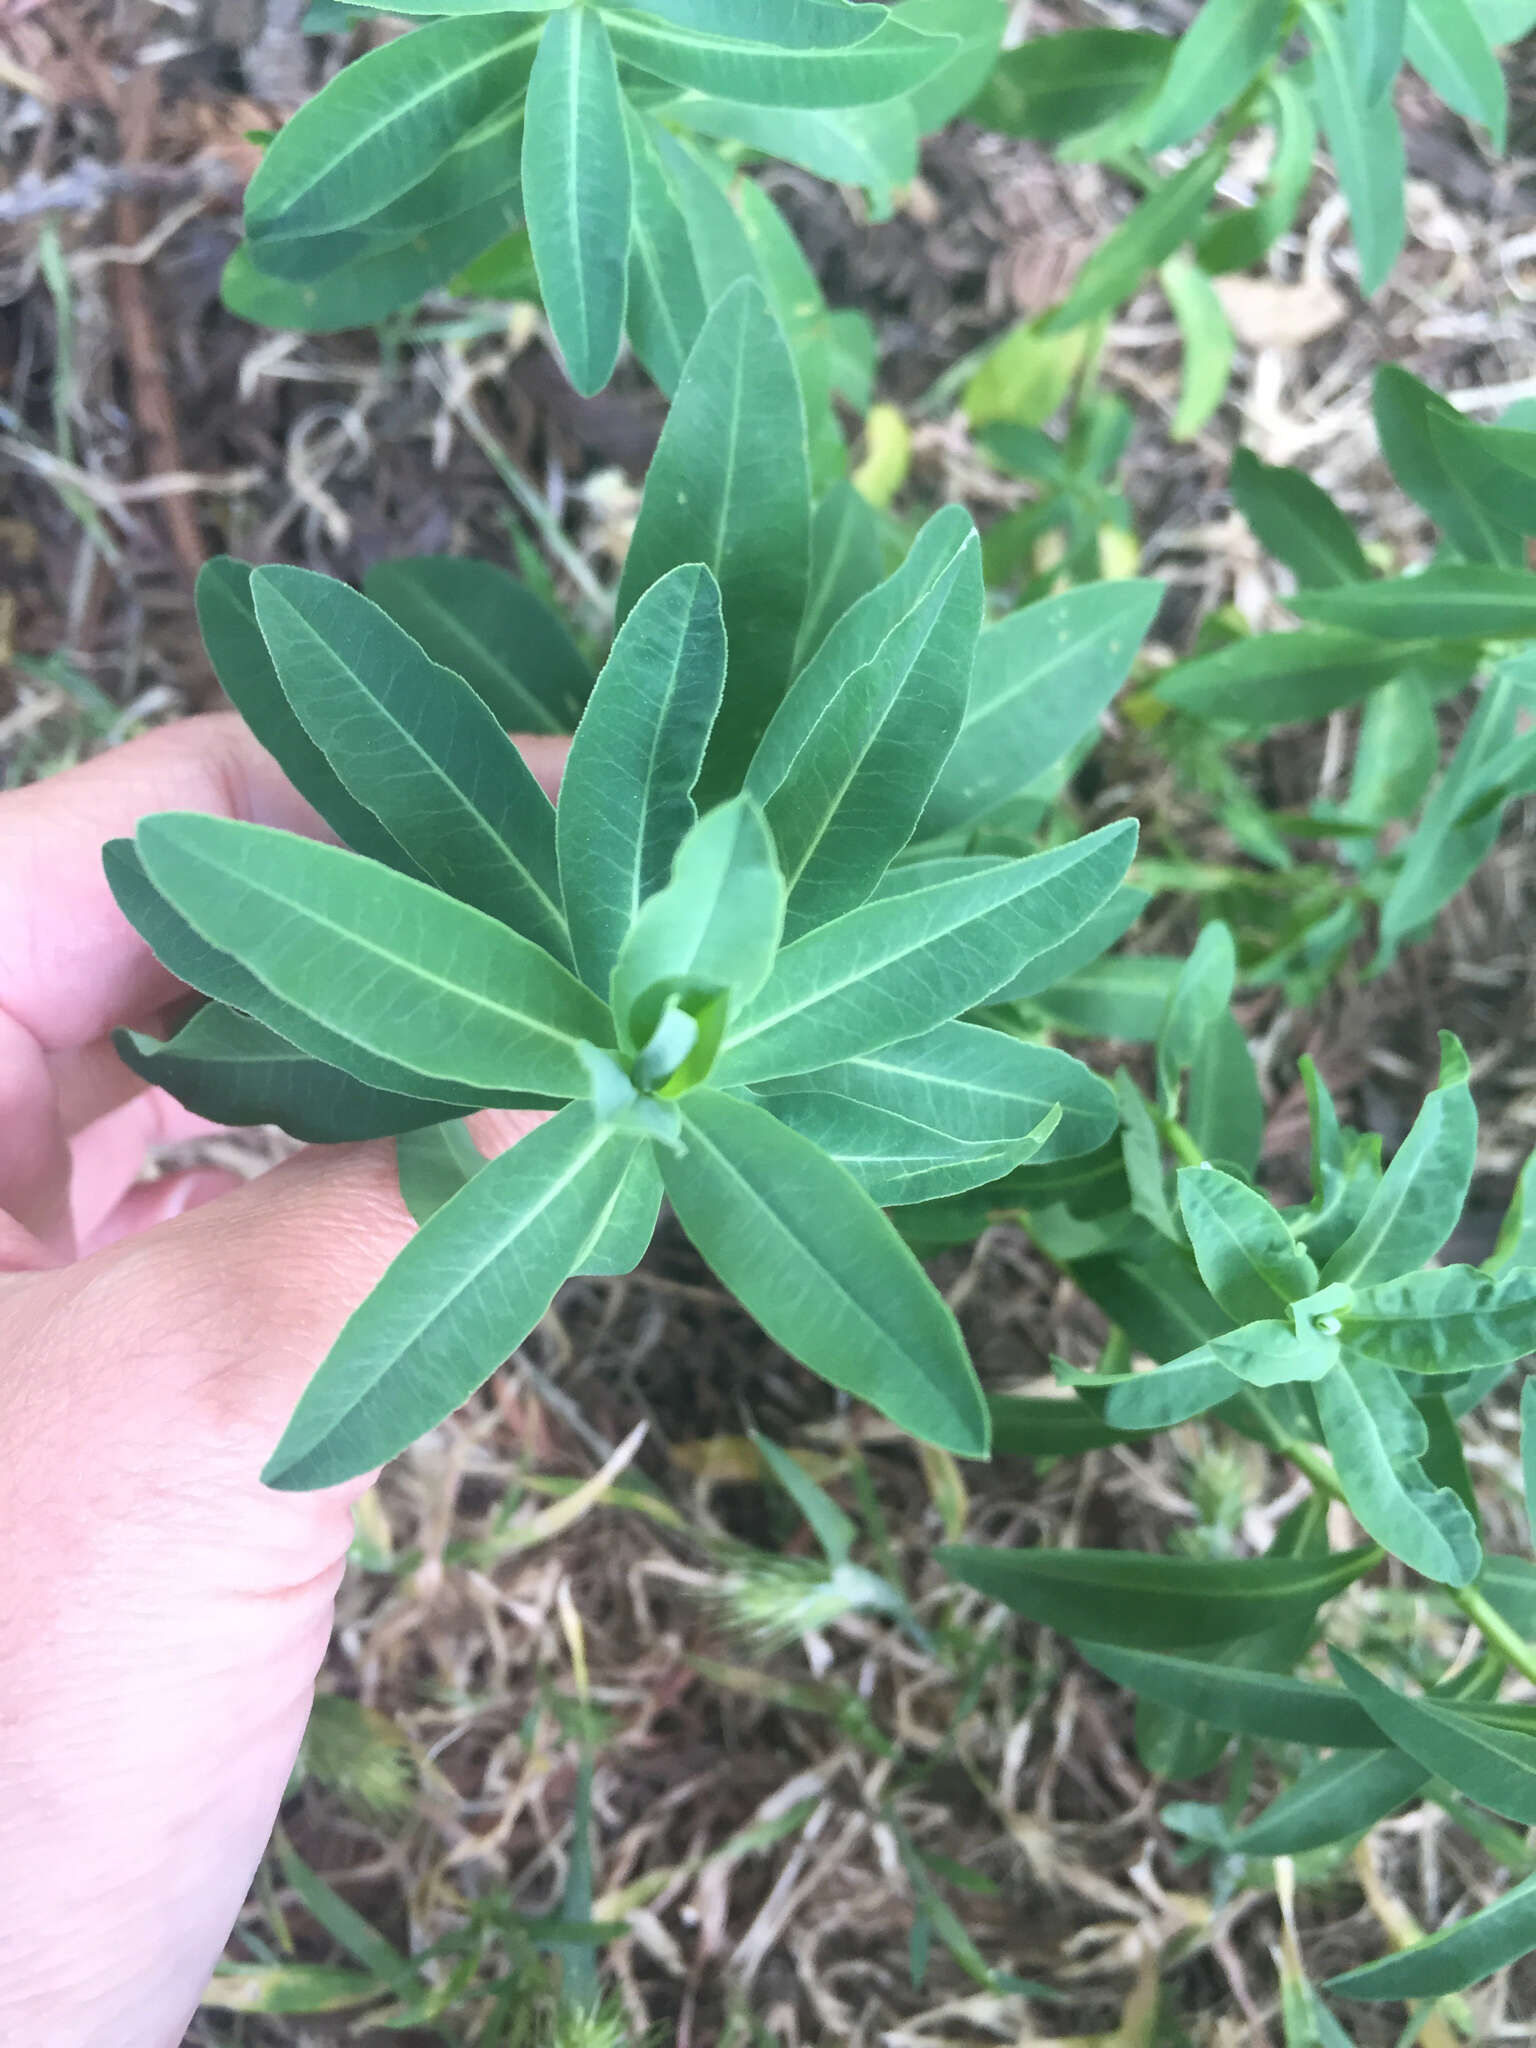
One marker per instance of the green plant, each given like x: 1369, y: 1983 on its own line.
x: 749, y: 1008
x: 573, y: 149
x: 1140, y: 103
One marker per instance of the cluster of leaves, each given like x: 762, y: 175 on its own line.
x: 750, y: 1006
x: 797, y: 943
x: 1171, y: 113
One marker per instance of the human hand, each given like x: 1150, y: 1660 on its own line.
x: 166, y: 1613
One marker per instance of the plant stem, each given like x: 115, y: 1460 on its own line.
x: 1496, y: 1632
x: 1180, y: 1143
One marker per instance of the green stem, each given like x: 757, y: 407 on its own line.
x: 1496, y: 1632
x: 1180, y: 1143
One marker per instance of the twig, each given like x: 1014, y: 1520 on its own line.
x: 88, y: 186
x: 151, y: 393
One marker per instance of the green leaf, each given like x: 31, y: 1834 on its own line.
x: 880, y: 66
x: 899, y: 1159
x: 1467, y: 1953
x: 1458, y: 826
x: 415, y: 744
x: 1449, y: 1319
x: 628, y: 1220
x: 1241, y: 238
x: 433, y: 1165
x: 896, y: 967
x: 478, y: 620
x: 875, y: 147
x: 193, y: 960
x: 287, y: 1988
x: 1494, y: 467
x: 1041, y: 977
x: 1163, y: 221
x: 1280, y: 678
x: 382, y: 125
x: 788, y: 24
x: 1461, y: 601
x: 834, y: 1531
x: 375, y: 959
x: 457, y: 1301
x: 1412, y: 422
x: 576, y: 192
x: 373, y: 284
x: 1224, y: 1110
x: 1034, y: 1426
x: 1449, y: 49
x: 853, y: 750
x: 1377, y: 1439
x: 232, y: 1070
x: 1210, y: 346
x: 1420, y: 1199
x: 625, y: 799
x: 714, y: 928
x: 1213, y: 60
x: 1334, y: 1799
x: 1494, y: 1765
x: 1376, y: 29
x: 1366, y: 143
x: 1136, y: 1601
x: 1120, y: 998
x: 808, y: 1254
x: 729, y: 487
x: 1245, y: 1702
x: 1041, y: 680
x: 1246, y: 1256
x: 1196, y: 1004
x: 845, y: 564
x: 226, y: 613
x: 978, y: 1086
x: 1297, y: 522
x: 1056, y: 86
x: 666, y: 308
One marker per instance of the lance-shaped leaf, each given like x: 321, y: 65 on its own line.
x: 1419, y: 1201
x: 1212, y: 62
x: 1081, y: 950
x: 1145, y: 238
x: 787, y: 24
x: 898, y: 966
x: 232, y: 1070
x: 881, y: 66
x: 1376, y: 29
x: 897, y: 1159
x: 1281, y: 678
x: 1036, y: 1426
x: 1298, y: 523
x: 1366, y: 142
x: 852, y: 752
x: 1196, y: 1003
x: 382, y: 125
x: 1246, y: 1256
x: 1449, y: 1319
x: 375, y: 958
x: 1039, y: 685
x: 226, y: 613
x: 576, y: 189
x: 666, y: 306
x: 1378, y: 1439
x: 729, y: 486
x: 714, y: 928
x: 457, y: 1301
x: 415, y: 744
x: 1460, y: 601
x: 625, y: 798
x: 1334, y: 1799
x: 1449, y: 48
x: 1127, y: 1598
x: 821, y: 1268
x: 1492, y: 1763
x: 1469, y: 1952
x: 1424, y: 440
x: 201, y: 966
x: 628, y: 1220
x: 845, y: 564
x: 1243, y: 1701
x: 432, y: 1165
x: 479, y: 620
x: 979, y: 1086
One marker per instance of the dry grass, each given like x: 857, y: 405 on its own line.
x: 756, y: 1815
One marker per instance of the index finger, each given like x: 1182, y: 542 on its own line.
x: 71, y: 966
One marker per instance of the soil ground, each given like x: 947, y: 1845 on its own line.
x: 143, y: 429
